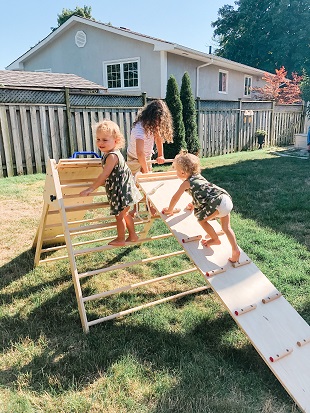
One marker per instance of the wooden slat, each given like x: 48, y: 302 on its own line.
x: 16, y: 141
x: 26, y: 139
x: 36, y: 139
x: 6, y: 141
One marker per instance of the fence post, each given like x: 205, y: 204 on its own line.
x: 272, y: 140
x: 69, y: 122
x: 144, y: 98
x: 239, y: 123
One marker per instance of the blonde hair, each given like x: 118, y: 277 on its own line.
x: 156, y: 119
x: 188, y: 163
x: 112, y: 128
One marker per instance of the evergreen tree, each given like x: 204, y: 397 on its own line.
x: 174, y: 104
x: 189, y: 115
x: 266, y: 34
x: 305, y: 91
x: 67, y: 13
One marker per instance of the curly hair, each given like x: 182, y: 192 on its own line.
x: 112, y: 128
x: 156, y: 119
x: 188, y: 163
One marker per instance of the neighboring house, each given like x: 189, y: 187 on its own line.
x: 131, y: 63
x: 47, y: 81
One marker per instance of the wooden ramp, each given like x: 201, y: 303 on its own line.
x: 278, y: 333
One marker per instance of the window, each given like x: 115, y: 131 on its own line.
x: 122, y: 74
x: 223, y: 81
x: 247, y: 85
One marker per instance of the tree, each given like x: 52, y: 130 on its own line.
x: 266, y: 34
x: 189, y: 115
x: 305, y: 90
x: 175, y: 106
x: 279, y: 88
x: 67, y: 13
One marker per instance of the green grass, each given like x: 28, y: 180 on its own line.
x: 182, y: 356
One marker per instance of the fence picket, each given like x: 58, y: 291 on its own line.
x: 16, y: 141
x: 26, y: 139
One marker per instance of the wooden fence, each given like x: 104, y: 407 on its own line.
x: 31, y: 133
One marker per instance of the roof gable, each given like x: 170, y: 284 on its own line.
x: 159, y: 45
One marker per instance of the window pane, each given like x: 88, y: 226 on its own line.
x: 130, y: 71
x: 222, y: 81
x: 114, y: 76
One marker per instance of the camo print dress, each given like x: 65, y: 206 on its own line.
x: 120, y: 185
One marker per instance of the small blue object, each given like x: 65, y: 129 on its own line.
x: 76, y: 154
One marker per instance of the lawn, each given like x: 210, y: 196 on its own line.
x: 184, y: 356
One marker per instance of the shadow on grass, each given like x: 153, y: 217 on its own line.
x: 203, y: 360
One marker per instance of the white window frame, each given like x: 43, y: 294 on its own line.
x: 246, y: 87
x: 121, y: 62
x: 226, y: 89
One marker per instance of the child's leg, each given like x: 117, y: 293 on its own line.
x: 214, y: 239
x: 121, y: 228
x: 132, y: 236
x: 225, y: 222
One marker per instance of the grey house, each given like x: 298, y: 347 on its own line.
x: 126, y: 62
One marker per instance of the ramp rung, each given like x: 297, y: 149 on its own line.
x: 241, y: 263
x: 281, y: 355
x: 271, y: 297
x: 302, y: 342
x: 240, y: 311
x: 215, y: 272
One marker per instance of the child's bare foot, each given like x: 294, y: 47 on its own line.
x: 117, y: 242
x: 235, y: 256
x: 132, y: 239
x: 210, y: 241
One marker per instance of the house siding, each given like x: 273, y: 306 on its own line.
x: 63, y: 56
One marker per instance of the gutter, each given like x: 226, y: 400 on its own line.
x: 197, y: 74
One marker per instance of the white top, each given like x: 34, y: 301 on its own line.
x: 138, y: 132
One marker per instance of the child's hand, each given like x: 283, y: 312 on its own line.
x: 190, y: 206
x: 86, y: 192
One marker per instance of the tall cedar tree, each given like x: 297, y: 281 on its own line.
x: 266, y: 34
x: 279, y: 88
x: 305, y: 90
x: 189, y: 115
x: 175, y: 106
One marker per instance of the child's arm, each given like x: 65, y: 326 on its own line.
x: 160, y: 150
x: 169, y: 211
x: 111, y: 161
x: 141, y: 155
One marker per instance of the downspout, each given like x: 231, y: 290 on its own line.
x: 197, y: 74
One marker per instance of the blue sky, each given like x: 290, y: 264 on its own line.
x: 24, y: 23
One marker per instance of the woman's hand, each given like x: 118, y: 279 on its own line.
x: 190, y: 207
x: 160, y: 160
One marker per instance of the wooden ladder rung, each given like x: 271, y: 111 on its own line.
x: 128, y: 244
x: 81, y: 207
x: 128, y: 287
x: 130, y: 264
x: 153, y: 303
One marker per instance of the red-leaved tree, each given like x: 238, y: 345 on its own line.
x: 279, y: 88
